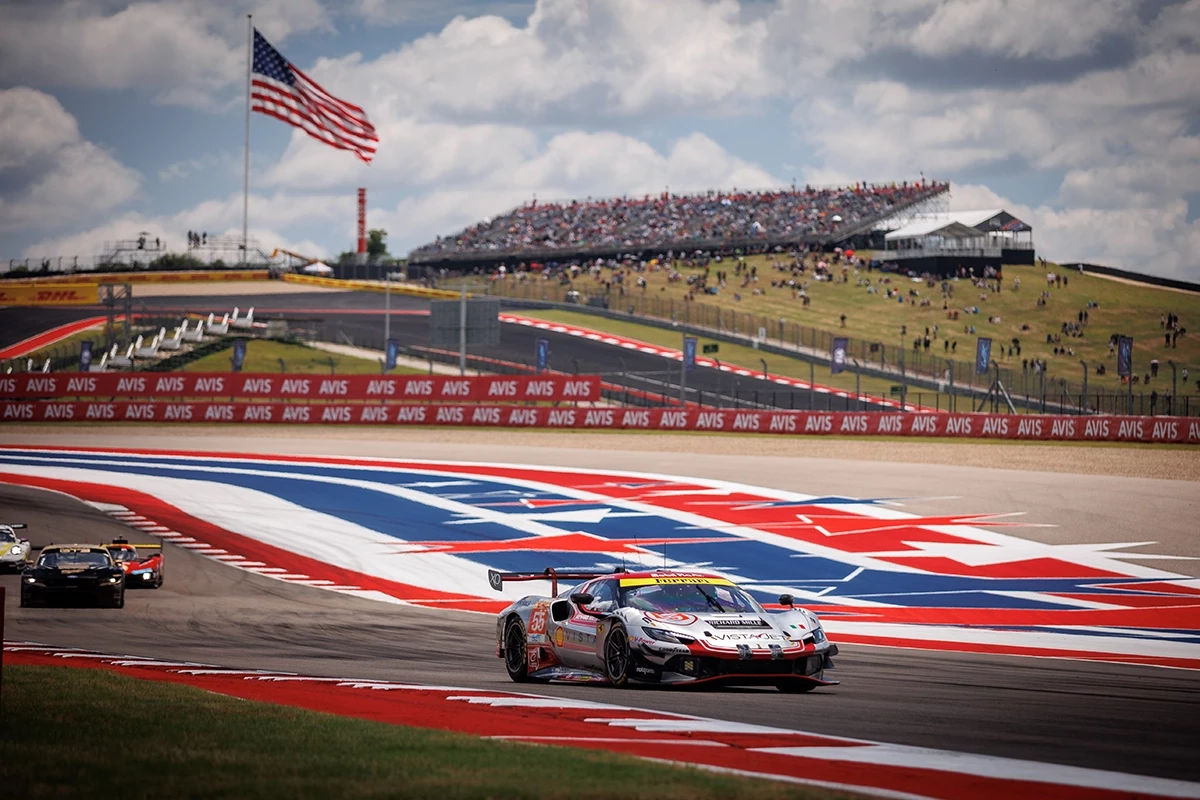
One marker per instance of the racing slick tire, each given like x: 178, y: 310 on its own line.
x: 796, y: 686
x: 27, y: 600
x: 515, y: 647
x: 118, y: 600
x: 618, y: 661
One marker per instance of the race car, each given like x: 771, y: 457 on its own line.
x: 14, y: 551
x: 74, y: 573
x: 660, y: 627
x: 141, y: 569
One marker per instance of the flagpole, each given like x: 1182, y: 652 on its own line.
x: 246, y: 161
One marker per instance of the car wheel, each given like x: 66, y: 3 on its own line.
x: 515, y: 652
x: 617, y: 661
x: 119, y: 600
x: 26, y: 600
x: 158, y: 583
x: 796, y: 686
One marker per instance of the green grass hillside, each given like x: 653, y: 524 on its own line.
x: 1117, y: 307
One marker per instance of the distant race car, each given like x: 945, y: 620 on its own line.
x: 71, y: 573
x: 14, y: 551
x: 659, y: 627
x: 143, y: 563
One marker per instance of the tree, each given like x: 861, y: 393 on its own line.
x: 376, y: 246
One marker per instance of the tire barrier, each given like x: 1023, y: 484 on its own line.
x: 801, y: 423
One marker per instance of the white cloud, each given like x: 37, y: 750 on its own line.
x: 52, y: 176
x: 183, y: 50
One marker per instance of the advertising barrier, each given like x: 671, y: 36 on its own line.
x: 371, y: 286
x: 187, y: 276
x: 984, y: 426
x: 59, y: 294
x: 273, y: 386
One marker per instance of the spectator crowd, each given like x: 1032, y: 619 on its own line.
x: 672, y: 220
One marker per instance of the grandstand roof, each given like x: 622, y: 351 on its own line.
x: 949, y: 229
x: 987, y: 220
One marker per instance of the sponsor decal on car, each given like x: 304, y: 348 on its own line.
x: 537, y: 618
x: 737, y: 623
x: 744, y: 637
x: 673, y: 579
x: 560, y: 637
x: 670, y: 618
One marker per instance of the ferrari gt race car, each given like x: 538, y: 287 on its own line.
x: 658, y: 627
x: 143, y: 563
x: 14, y: 551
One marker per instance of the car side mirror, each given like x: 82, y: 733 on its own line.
x: 787, y: 600
x: 560, y: 611
x: 582, y: 599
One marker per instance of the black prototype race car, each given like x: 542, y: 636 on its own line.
x: 74, y: 573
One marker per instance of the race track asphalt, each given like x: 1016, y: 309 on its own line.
x: 1126, y: 718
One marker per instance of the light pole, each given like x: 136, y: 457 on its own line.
x: 1174, y: 386
x: 950, y: 384
x: 900, y: 358
x: 857, y: 385
x: 1083, y: 400
x: 764, y: 363
x: 720, y: 402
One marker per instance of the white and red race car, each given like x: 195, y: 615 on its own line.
x: 658, y: 627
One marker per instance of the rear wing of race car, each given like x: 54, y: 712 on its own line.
x: 16, y: 526
x: 139, y: 546
x: 497, y: 579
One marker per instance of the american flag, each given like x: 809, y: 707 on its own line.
x: 280, y: 90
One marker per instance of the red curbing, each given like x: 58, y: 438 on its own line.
x: 47, y: 338
x: 794, y: 756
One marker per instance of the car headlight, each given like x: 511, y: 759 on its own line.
x: 30, y: 579
x: 668, y: 636
x: 818, y: 634
x: 114, y: 578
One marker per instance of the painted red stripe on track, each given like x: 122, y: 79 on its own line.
x: 49, y: 337
x: 1014, y: 650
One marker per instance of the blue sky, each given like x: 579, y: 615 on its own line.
x: 1078, y: 116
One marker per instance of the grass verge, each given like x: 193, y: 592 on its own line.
x: 72, y: 732
x: 264, y: 355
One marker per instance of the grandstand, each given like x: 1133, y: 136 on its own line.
x: 714, y: 220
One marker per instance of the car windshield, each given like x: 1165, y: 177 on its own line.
x: 720, y: 598
x: 123, y: 553
x: 60, y: 559
x: 7, y: 536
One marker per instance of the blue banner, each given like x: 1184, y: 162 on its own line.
x: 393, y: 350
x: 838, y: 362
x: 85, y: 357
x: 239, y: 354
x: 543, y: 355
x: 1125, y: 356
x: 983, y: 355
x: 689, y: 353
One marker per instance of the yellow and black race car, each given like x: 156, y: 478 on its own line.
x: 74, y: 573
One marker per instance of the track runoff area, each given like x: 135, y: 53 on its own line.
x: 421, y: 533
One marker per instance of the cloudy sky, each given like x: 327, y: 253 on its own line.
x: 1080, y: 116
